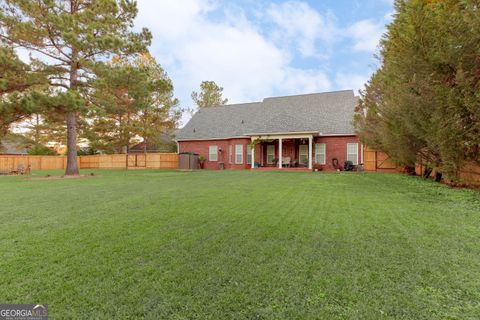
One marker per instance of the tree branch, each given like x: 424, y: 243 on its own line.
x: 24, y: 45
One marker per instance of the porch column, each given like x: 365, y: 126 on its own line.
x: 310, y: 152
x: 261, y: 155
x: 253, y: 156
x: 361, y: 153
x: 280, y: 151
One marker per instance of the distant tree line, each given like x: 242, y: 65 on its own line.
x: 423, y: 103
x: 90, y: 77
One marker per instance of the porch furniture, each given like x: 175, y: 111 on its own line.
x: 20, y: 169
x: 302, y: 164
x: 286, y: 162
x: 348, y: 166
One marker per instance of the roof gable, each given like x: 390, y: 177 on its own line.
x: 326, y: 113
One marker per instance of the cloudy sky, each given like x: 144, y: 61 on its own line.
x: 261, y: 48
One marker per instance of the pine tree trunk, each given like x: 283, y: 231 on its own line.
x: 127, y: 138
x: 72, y: 165
x: 37, y: 130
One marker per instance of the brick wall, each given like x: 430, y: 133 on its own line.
x: 202, y: 147
x: 336, y: 147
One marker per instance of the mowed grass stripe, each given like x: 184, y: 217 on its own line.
x: 243, y: 245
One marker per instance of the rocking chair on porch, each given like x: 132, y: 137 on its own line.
x: 286, y: 162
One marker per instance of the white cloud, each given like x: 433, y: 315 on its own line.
x: 231, y: 51
x: 263, y: 53
x: 304, y: 81
x: 297, y: 22
x: 366, y: 35
x: 351, y: 81
x: 23, y: 54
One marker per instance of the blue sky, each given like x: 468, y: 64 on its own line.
x: 256, y: 49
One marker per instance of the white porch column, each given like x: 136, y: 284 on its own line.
x: 253, y: 156
x: 361, y: 153
x: 310, y: 152
x: 280, y: 152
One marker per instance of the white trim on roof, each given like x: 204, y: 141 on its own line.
x: 339, y: 135
x: 282, y: 133
x: 213, y: 139
x: 266, y: 135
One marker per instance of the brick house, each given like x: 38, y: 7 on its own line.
x: 279, y: 132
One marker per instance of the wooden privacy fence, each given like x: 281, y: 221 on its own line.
x: 377, y: 161
x: 113, y: 161
x: 9, y: 163
x: 470, y: 173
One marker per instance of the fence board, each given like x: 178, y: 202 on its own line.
x: 114, y: 161
x: 470, y: 173
x: 374, y: 160
x: 379, y: 161
x: 369, y: 160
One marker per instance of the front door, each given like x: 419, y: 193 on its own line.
x: 270, y: 153
x: 303, y: 154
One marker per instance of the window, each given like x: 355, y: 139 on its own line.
x: 303, y: 154
x: 213, y: 153
x: 249, y: 155
x: 320, y: 153
x: 239, y: 153
x: 270, y: 153
x: 230, y: 154
x: 352, y: 152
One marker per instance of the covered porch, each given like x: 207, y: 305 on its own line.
x: 287, y: 151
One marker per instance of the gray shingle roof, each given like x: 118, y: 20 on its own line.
x: 7, y: 147
x: 328, y: 113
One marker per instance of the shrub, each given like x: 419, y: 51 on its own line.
x: 40, y: 150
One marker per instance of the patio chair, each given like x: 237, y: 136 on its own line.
x: 286, y: 162
x: 21, y: 169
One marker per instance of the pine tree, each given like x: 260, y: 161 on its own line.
x: 71, y: 37
x: 210, y: 95
x: 20, y: 87
x: 161, y: 113
x: 134, y: 99
x: 423, y: 103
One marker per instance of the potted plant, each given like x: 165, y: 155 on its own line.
x: 317, y: 167
x: 201, y: 161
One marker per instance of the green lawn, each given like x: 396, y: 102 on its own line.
x: 240, y: 245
